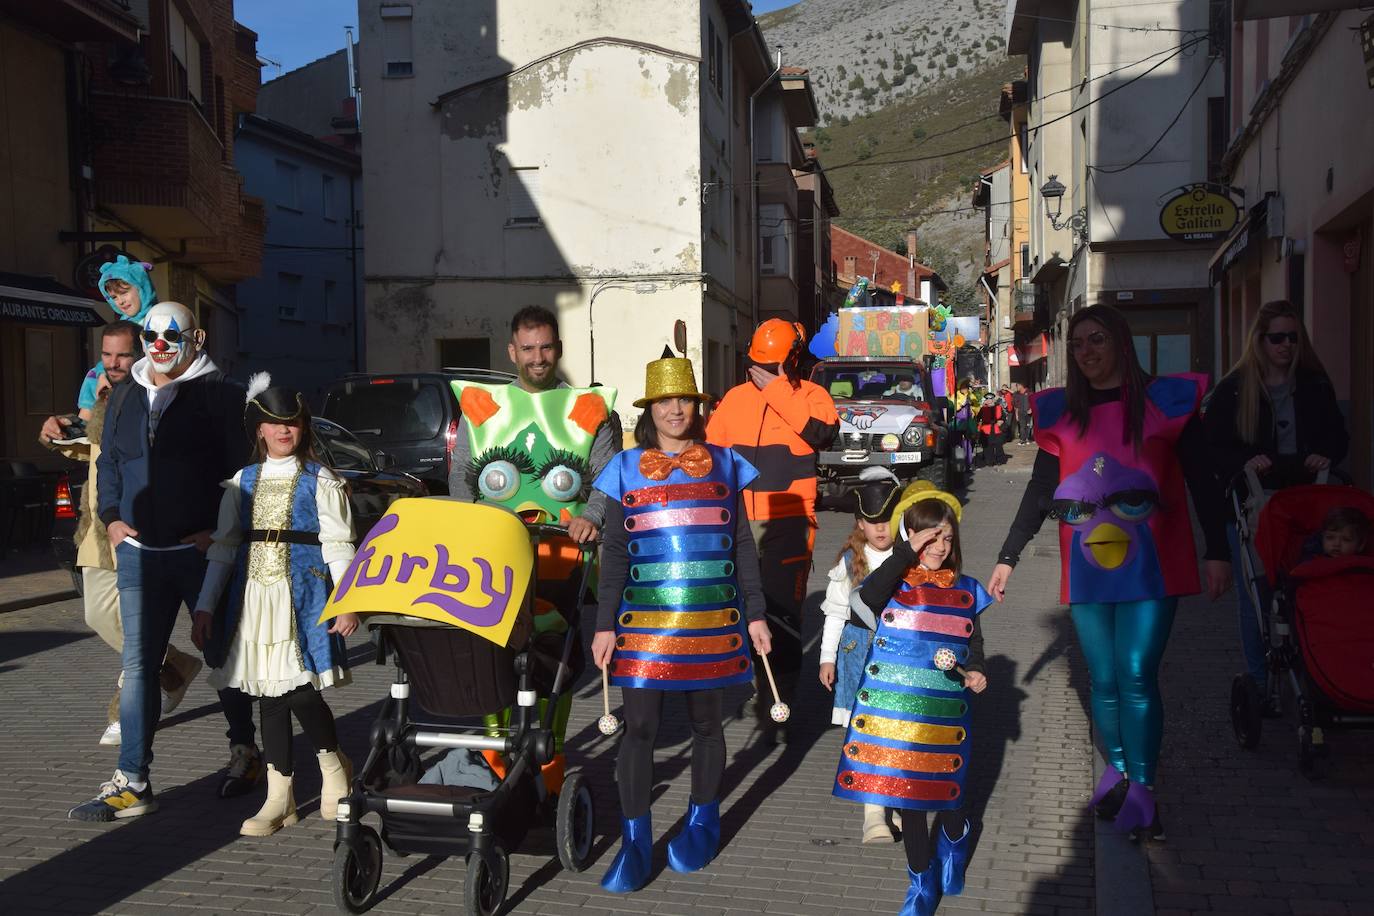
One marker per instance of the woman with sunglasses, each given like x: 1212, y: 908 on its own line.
x: 1274, y: 413
x: 1116, y: 449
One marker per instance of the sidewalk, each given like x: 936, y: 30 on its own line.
x: 788, y: 846
x: 31, y: 578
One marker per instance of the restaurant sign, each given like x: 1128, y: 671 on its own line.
x: 1198, y: 213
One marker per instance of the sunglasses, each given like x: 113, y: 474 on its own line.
x: 171, y: 335
x: 1095, y: 339
x: 1280, y: 337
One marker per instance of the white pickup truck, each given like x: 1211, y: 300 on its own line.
x: 887, y: 418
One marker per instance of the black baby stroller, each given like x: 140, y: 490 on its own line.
x: 1318, y: 638
x: 470, y: 655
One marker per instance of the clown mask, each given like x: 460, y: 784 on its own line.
x: 171, y: 339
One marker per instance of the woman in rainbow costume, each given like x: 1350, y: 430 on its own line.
x: 679, y: 581
x: 1116, y: 447
x: 908, y: 742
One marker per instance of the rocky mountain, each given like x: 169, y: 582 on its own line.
x: 905, y: 87
x: 865, y: 54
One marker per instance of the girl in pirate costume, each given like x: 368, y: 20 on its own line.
x: 285, y: 531
x: 908, y: 741
x: 844, y: 645
x: 679, y: 580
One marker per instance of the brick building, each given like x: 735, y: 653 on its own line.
x: 855, y: 256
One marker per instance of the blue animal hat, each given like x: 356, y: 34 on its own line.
x: 137, y: 274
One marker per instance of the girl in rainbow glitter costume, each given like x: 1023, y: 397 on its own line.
x: 908, y: 742
x: 679, y: 580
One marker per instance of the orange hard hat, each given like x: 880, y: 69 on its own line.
x: 775, y: 341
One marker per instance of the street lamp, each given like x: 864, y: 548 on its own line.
x: 1077, y: 222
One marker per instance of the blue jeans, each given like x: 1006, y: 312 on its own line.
x: 1251, y: 640
x: 152, y: 587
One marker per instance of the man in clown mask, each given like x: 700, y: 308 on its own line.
x: 168, y: 441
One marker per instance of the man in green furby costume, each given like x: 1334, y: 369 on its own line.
x: 535, y: 446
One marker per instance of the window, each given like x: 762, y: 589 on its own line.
x: 715, y: 59
x: 289, y: 297
x: 288, y: 186
x: 327, y: 207
x: 1023, y: 146
x: 523, y: 197
x: 775, y: 241
x: 186, y: 57
x: 38, y: 365
x: 1216, y: 136
x: 465, y: 353
x: 396, y: 44
x: 1025, y: 259
x: 331, y: 302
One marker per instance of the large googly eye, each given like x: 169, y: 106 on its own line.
x: 565, y: 476
x: 562, y: 483
x: 498, y: 481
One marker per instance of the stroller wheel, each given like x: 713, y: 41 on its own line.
x: 357, y: 873
x: 1246, y: 704
x: 484, y: 890
x: 574, y: 822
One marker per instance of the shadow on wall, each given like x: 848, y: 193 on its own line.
x: 494, y: 252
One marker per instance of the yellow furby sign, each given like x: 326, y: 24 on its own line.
x: 442, y: 559
x: 1198, y: 213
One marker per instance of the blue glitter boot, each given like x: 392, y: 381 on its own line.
x: 924, y: 894
x: 696, y: 845
x: 953, y: 857
x: 630, y: 870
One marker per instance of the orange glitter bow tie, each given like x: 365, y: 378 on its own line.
x: 695, y: 461
x: 942, y: 578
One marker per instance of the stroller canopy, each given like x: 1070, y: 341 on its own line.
x: 458, y: 563
x: 1294, y: 515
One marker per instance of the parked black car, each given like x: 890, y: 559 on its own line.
x: 371, y: 490
x: 410, y: 419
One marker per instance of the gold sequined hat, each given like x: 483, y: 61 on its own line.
x: 918, y: 490
x: 670, y: 377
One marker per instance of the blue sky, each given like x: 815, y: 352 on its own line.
x: 295, y: 32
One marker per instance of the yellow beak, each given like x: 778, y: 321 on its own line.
x: 1109, y: 545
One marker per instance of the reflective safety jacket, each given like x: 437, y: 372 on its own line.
x: 778, y: 430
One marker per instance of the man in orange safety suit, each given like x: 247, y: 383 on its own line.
x: 777, y: 421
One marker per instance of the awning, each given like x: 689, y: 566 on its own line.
x: 41, y: 300
x: 1251, y: 231
x: 1025, y: 352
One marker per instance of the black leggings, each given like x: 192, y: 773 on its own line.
x: 634, y: 768
x: 315, y: 716
x: 917, y: 836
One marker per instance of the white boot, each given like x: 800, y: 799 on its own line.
x: 336, y: 777
x: 277, y: 812
x: 876, y: 829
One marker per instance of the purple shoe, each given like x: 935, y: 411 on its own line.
x: 1109, y: 794
x: 1137, y: 810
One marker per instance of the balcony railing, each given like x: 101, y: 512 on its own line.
x: 1025, y: 297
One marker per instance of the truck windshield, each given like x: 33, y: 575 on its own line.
x: 891, y: 382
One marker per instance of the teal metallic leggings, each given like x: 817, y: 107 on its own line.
x: 1123, y: 645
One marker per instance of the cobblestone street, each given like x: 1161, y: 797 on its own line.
x: 1246, y: 832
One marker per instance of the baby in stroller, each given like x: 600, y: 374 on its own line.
x: 1312, y: 544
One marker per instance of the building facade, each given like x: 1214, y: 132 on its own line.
x: 305, y: 308
x: 855, y: 257
x: 1119, y: 109
x: 1298, y: 115
x: 993, y: 196
x: 120, y: 121
x: 598, y: 164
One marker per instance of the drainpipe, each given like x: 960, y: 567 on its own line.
x: 754, y: 188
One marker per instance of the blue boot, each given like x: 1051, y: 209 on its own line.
x: 696, y: 845
x: 953, y: 857
x: 924, y: 894
x: 630, y: 870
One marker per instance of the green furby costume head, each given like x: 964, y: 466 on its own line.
x: 530, y: 451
